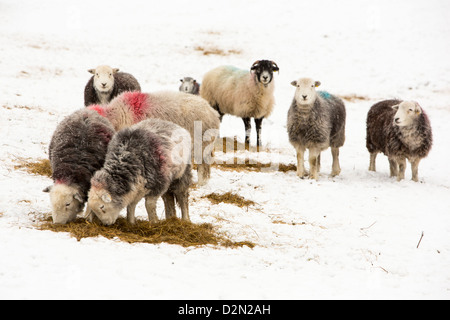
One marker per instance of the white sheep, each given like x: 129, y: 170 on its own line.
x: 107, y: 83
x: 242, y: 93
x: 316, y: 121
x: 189, y: 85
x: 189, y: 111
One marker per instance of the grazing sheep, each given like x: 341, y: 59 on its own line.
x: 186, y: 110
x: 77, y: 149
x: 316, y: 121
x: 189, y: 85
x: 401, y: 130
x: 147, y: 160
x: 242, y: 93
x: 107, y: 83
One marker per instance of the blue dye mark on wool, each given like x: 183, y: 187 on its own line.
x: 325, y: 95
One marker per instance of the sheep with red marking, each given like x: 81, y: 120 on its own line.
x: 77, y: 150
x: 147, y: 160
x: 189, y: 111
x: 401, y: 130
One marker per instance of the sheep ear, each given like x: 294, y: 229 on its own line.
x: 275, y: 67
x: 115, y: 70
x: 395, y: 107
x: 418, y: 109
x: 91, y: 71
x: 255, y: 65
x: 106, y: 198
x: 48, y: 189
x: 317, y: 83
x: 78, y: 197
x: 294, y: 83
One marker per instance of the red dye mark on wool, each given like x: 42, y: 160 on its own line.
x: 137, y: 101
x: 100, y: 110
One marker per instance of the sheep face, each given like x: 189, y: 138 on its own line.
x: 103, y: 78
x: 306, y: 90
x: 66, y: 202
x: 263, y: 70
x: 187, y: 84
x: 407, y: 113
x: 101, y: 204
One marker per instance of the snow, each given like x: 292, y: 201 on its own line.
x: 350, y: 237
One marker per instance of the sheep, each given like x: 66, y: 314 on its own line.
x: 77, y: 150
x: 401, y: 130
x: 189, y: 85
x: 242, y: 93
x: 147, y: 160
x: 316, y: 121
x: 107, y: 83
x: 186, y: 110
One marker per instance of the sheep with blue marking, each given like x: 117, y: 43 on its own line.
x: 401, y: 130
x: 316, y: 121
x: 147, y: 160
x: 107, y: 83
x: 243, y: 93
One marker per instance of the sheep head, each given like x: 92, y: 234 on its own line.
x: 103, y: 78
x: 263, y: 70
x: 407, y: 113
x: 306, y: 90
x: 66, y: 202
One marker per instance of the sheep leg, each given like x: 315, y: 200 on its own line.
x: 313, y: 160
x: 393, y: 167
x: 373, y: 157
x: 131, y: 208
x: 415, y: 169
x: 258, y: 124
x: 182, y: 198
x: 169, y: 205
x: 336, y: 168
x: 300, y: 162
x: 401, y: 169
x: 248, y: 131
x: 204, y: 173
x: 216, y: 107
x: 150, y: 206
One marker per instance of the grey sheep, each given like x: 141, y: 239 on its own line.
x: 147, y: 160
x: 243, y: 93
x: 77, y: 150
x: 186, y: 110
x: 189, y: 85
x: 107, y: 83
x: 401, y: 130
x: 316, y: 121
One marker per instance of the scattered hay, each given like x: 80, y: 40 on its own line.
x: 354, y: 97
x: 41, y: 167
x: 229, y: 197
x: 206, y: 51
x: 172, y: 231
x: 254, y: 167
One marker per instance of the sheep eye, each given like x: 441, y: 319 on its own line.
x: 96, y: 74
x: 67, y: 204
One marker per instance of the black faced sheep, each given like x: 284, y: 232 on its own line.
x: 316, y: 121
x: 186, y: 110
x: 77, y: 149
x: 107, y: 83
x: 189, y: 85
x: 401, y: 130
x: 242, y: 93
x: 148, y: 160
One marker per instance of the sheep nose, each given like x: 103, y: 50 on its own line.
x: 397, y: 120
x: 304, y: 97
x: 104, y: 84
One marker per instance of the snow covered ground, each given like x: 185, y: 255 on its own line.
x: 353, y: 236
